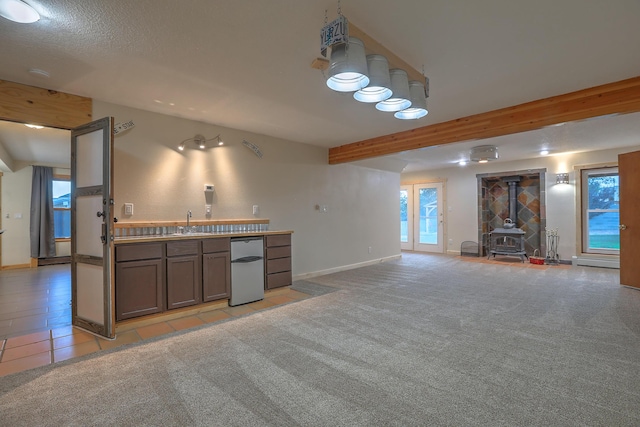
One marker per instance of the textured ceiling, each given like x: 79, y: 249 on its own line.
x: 246, y: 64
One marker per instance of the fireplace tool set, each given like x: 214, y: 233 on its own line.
x: 552, y: 247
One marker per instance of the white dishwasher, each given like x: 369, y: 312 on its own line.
x: 247, y: 270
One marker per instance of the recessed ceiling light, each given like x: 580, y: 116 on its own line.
x: 18, y: 11
x: 34, y: 126
x: 544, y: 152
x: 462, y: 162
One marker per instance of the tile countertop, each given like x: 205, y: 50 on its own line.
x: 167, y: 237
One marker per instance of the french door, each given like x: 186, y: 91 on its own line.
x: 92, y: 279
x: 423, y: 218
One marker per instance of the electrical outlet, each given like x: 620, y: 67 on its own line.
x: 256, y: 209
x: 369, y: 249
x: 207, y: 209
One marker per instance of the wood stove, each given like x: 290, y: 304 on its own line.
x: 510, y: 242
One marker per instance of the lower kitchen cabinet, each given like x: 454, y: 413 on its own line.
x: 216, y: 270
x: 139, y: 280
x: 278, y: 261
x: 216, y: 281
x: 184, y: 280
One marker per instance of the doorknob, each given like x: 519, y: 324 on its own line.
x: 623, y: 227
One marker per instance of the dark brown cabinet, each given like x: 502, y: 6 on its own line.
x: 152, y: 277
x: 184, y: 280
x: 139, y: 280
x: 216, y: 261
x: 277, y: 260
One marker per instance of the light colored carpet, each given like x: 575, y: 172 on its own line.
x: 425, y: 340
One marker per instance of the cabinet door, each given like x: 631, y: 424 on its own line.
x: 215, y: 276
x: 183, y: 281
x: 139, y: 286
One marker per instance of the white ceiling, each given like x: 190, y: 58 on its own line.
x: 245, y: 64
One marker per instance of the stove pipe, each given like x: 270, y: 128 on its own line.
x: 513, y: 197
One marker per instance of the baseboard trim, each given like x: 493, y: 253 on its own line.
x: 16, y: 266
x: 596, y: 262
x: 344, y: 267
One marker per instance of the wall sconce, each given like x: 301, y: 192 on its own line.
x: 562, y: 178
x: 200, y: 141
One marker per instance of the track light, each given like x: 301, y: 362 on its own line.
x: 200, y: 141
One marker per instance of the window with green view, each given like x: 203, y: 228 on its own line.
x: 601, y: 211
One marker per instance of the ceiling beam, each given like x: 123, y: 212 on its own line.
x: 38, y: 106
x: 614, y: 98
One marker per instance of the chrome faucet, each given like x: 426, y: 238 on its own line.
x: 188, y: 217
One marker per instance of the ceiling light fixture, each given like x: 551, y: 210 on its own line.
x: 18, y: 11
x: 544, y: 152
x: 200, y: 141
x: 418, y: 96
x: 400, y: 100
x: 348, y: 67
x: 366, y: 71
x: 33, y: 126
x: 483, y: 153
x: 379, y: 87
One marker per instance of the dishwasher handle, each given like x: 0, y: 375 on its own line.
x: 246, y: 259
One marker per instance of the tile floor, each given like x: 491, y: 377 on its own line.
x: 36, y: 349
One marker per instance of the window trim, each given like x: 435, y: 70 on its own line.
x: 583, y: 211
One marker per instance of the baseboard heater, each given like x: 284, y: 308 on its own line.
x: 596, y: 262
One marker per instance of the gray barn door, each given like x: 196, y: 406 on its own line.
x: 92, y: 279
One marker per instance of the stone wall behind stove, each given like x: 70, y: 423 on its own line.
x: 493, y: 206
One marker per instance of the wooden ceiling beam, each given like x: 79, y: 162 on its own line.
x: 620, y: 97
x: 38, y: 106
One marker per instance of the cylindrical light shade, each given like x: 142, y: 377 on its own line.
x: 348, y: 67
x: 400, y: 100
x: 18, y: 11
x: 418, y: 107
x: 379, y: 87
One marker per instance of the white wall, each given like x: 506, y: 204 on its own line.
x: 287, y: 183
x: 462, y: 198
x: 16, y: 201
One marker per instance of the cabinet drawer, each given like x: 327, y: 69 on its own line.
x: 138, y: 251
x: 278, y: 265
x: 279, y: 252
x: 279, y: 240
x: 220, y: 244
x: 182, y: 247
x: 279, y: 279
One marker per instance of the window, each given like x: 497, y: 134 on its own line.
x: 601, y: 211
x: 62, y: 208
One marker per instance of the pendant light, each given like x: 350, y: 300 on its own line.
x: 18, y: 11
x: 418, y: 107
x: 379, y: 87
x: 400, y: 100
x: 348, y: 66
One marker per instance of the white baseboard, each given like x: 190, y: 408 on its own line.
x: 596, y: 262
x: 344, y: 267
x: 453, y: 252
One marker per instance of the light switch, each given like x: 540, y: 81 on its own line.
x: 207, y: 209
x: 128, y: 208
x: 256, y: 209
